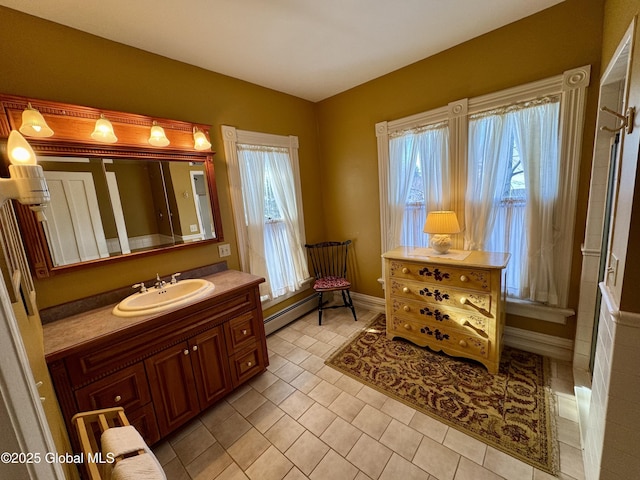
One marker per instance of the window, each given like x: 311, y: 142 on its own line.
x: 267, y: 206
x: 508, y: 167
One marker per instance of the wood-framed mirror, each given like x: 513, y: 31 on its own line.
x: 111, y: 201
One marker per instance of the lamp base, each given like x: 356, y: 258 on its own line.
x: 440, y: 243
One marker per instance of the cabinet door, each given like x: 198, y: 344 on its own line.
x: 172, y: 387
x: 210, y: 366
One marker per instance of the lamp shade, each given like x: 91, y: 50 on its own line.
x: 104, y: 131
x: 158, y: 137
x: 200, y: 141
x: 442, y: 222
x: 34, y: 124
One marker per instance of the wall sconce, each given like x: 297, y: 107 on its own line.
x: 200, y: 141
x: 26, y: 183
x: 34, y: 124
x: 440, y: 224
x: 104, y: 131
x: 157, y: 137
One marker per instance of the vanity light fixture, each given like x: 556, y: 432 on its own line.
x: 440, y: 224
x: 104, y: 131
x: 26, y: 183
x: 34, y: 124
x: 200, y: 141
x: 157, y: 137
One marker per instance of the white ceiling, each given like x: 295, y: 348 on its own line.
x: 312, y: 49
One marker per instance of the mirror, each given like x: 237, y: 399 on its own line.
x: 109, y: 202
x: 103, y: 207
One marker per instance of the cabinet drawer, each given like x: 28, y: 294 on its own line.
x: 240, y: 332
x: 468, y: 278
x: 246, y: 364
x: 433, y: 313
x: 452, y: 341
x: 438, y: 295
x: 127, y: 388
x: 144, y: 419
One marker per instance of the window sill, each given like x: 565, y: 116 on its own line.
x: 538, y: 311
x: 270, y: 302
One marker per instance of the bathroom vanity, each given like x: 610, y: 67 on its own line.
x: 163, y: 369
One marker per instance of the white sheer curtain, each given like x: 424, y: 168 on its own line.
x: 425, y: 152
x: 276, y: 250
x: 522, y: 224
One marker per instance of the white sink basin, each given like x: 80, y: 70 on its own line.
x: 156, y: 300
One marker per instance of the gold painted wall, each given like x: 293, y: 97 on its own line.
x: 562, y: 37
x: 45, y: 60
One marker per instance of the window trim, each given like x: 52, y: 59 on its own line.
x: 232, y: 137
x: 571, y: 86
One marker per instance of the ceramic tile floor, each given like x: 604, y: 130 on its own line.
x: 302, y: 419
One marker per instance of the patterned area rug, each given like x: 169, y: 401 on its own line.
x: 511, y: 410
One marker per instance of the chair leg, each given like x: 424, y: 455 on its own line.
x: 353, y: 310
x: 319, y: 308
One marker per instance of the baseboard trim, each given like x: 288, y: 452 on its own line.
x: 369, y: 302
x: 289, y: 314
x: 540, y: 343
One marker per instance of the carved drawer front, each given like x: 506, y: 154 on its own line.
x: 437, y: 295
x: 240, y: 332
x: 429, y: 312
x: 127, y: 388
x: 468, y: 278
x: 246, y: 364
x: 451, y: 340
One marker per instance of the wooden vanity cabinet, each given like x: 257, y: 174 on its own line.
x: 166, y: 370
x: 187, y: 378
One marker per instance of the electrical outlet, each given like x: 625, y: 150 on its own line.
x: 224, y: 250
x: 194, y: 228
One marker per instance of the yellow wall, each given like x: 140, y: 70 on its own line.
x: 45, y: 60
x: 338, y: 165
x: 546, y: 44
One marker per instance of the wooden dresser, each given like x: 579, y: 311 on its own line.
x: 453, y: 303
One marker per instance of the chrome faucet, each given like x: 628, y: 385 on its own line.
x: 159, y: 283
x: 174, y: 278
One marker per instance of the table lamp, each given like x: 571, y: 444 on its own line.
x: 440, y: 225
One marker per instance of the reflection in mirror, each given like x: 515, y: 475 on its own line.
x: 104, y: 207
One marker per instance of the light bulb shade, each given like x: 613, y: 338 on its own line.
x: 442, y: 222
x: 34, y: 124
x: 103, y: 131
x: 157, y: 137
x: 19, y: 150
x: 200, y: 141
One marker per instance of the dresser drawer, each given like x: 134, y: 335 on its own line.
x: 467, y: 278
x: 127, y: 388
x: 451, y: 340
x: 436, y: 295
x: 447, y: 316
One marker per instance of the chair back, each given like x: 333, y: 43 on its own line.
x: 329, y: 259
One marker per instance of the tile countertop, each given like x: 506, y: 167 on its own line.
x: 81, y: 328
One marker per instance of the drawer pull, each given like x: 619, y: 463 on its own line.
x: 244, y: 332
x: 249, y: 364
x: 195, y: 348
x: 462, y: 343
x: 406, y: 290
x: 407, y: 326
x: 186, y: 352
x: 464, y: 278
x: 463, y: 300
x: 405, y: 270
x: 406, y: 308
x: 117, y: 399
